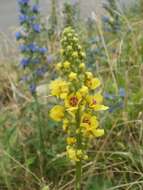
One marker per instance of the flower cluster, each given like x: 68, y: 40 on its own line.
x: 31, y: 47
x: 77, y: 91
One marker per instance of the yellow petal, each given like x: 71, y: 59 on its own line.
x: 99, y: 107
x: 99, y: 132
x: 57, y: 113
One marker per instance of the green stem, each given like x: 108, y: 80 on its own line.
x: 78, y: 175
x: 39, y: 125
x: 79, y: 146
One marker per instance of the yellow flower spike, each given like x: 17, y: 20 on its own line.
x: 78, y: 99
x: 72, y: 76
x: 59, y: 88
x: 71, y: 140
x: 57, y: 113
x: 66, y: 64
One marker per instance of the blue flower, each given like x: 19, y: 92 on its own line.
x: 33, y: 18
x: 36, y: 28
x: 23, y: 18
x: 24, y: 79
x: 32, y: 88
x: 23, y: 2
x: 33, y: 47
x: 18, y: 35
x: 24, y: 62
x: 23, y: 48
x: 109, y: 96
x: 40, y: 71
x: 122, y: 92
x: 105, y: 19
x: 36, y: 61
x: 43, y: 50
x: 116, y: 106
x: 35, y: 8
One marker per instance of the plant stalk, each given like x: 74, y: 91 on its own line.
x: 39, y: 125
x: 79, y: 146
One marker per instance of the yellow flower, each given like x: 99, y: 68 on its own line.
x: 82, y: 66
x: 75, y: 39
x: 89, y: 125
x: 99, y: 132
x: 59, y: 66
x: 69, y: 48
x: 89, y: 75
x: 71, y: 153
x: 71, y: 140
x: 93, y: 83
x: 59, y: 88
x: 83, y: 90
x: 57, y: 113
x: 75, y: 54
x: 95, y: 102
x: 72, y: 101
x: 83, y: 54
x: 79, y: 153
x: 66, y: 64
x: 75, y: 155
x: 65, y: 124
x: 72, y: 76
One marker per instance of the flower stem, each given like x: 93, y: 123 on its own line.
x: 79, y: 146
x: 39, y: 125
x: 78, y: 175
